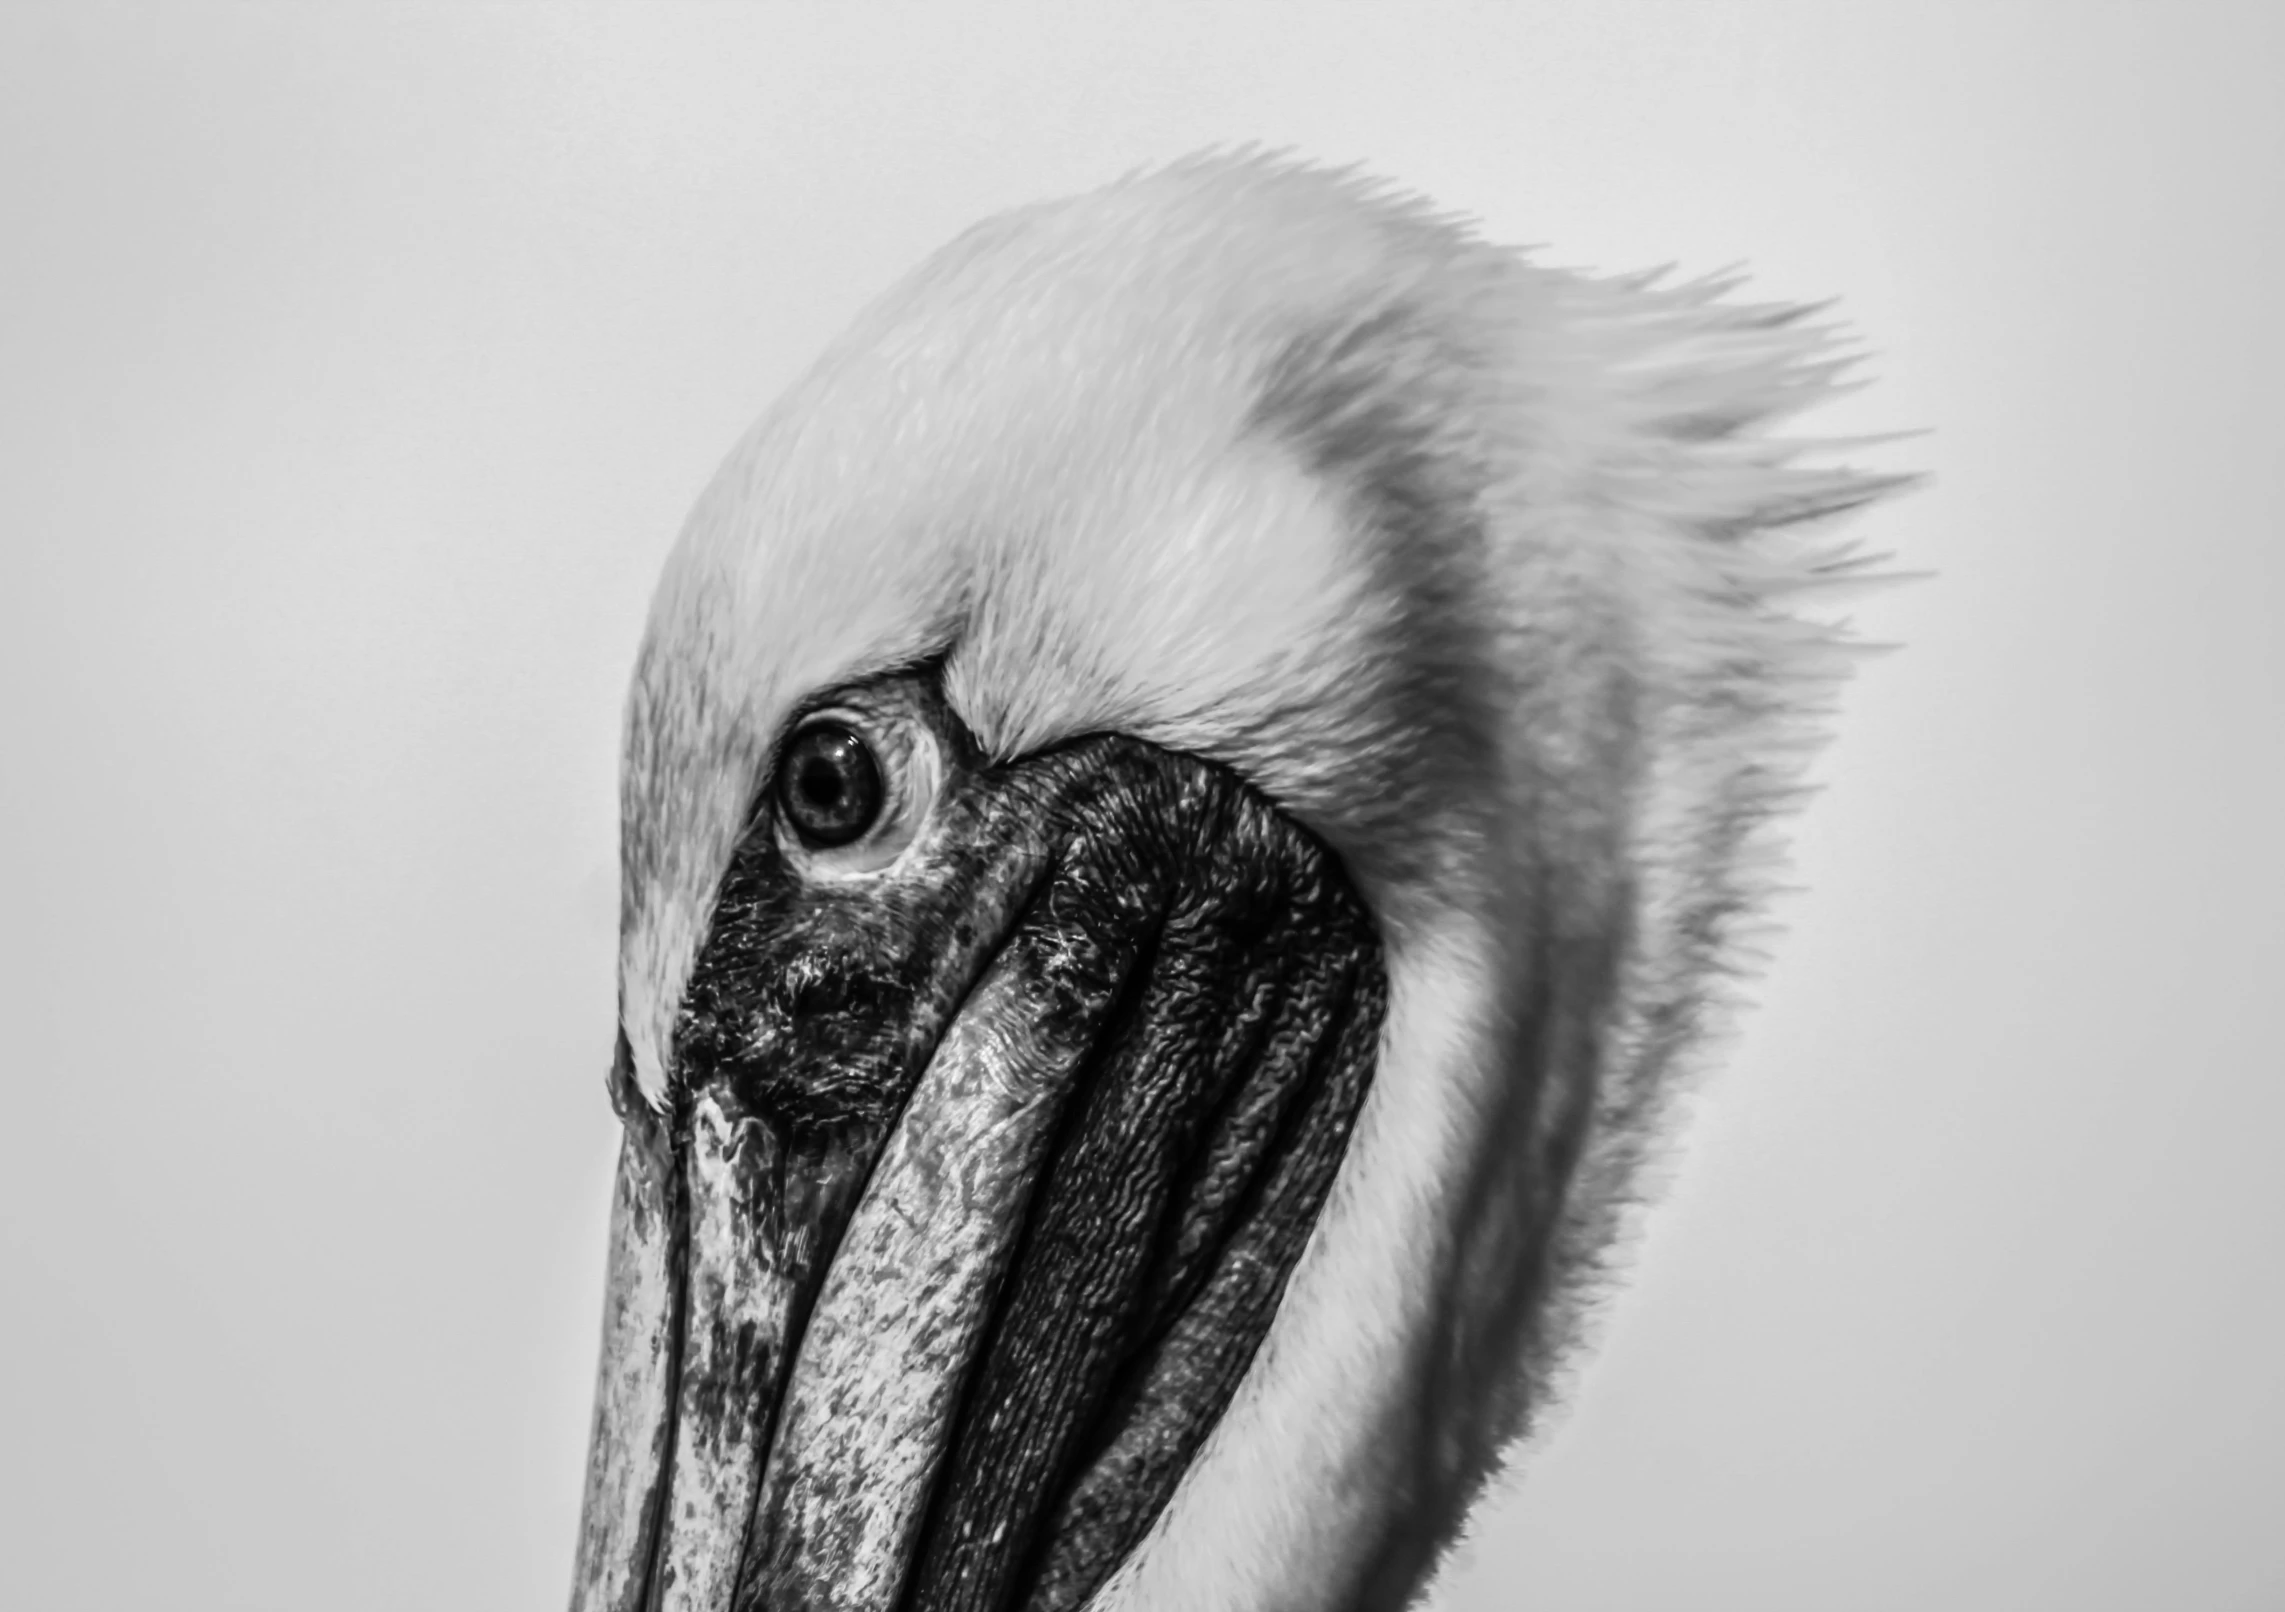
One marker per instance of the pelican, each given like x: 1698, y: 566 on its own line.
x: 1185, y: 793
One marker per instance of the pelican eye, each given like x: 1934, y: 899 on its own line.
x: 829, y: 785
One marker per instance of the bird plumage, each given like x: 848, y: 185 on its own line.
x: 1487, y: 573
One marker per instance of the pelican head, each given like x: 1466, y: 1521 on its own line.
x: 1185, y: 792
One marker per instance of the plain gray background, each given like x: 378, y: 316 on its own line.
x: 357, y: 367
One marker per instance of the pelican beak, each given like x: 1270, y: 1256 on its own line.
x: 976, y: 1186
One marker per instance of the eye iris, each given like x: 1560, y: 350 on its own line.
x: 829, y: 786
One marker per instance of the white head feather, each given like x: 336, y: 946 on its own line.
x: 1480, y: 570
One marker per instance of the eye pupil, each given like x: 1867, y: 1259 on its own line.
x: 829, y: 786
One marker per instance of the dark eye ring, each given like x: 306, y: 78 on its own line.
x: 829, y: 785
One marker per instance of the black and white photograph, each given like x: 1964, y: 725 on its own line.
x: 1125, y: 807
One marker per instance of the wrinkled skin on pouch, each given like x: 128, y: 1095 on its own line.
x: 980, y: 1179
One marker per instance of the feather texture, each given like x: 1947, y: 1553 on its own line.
x: 1489, y: 573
